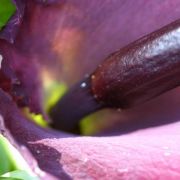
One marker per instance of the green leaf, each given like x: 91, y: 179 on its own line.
x: 12, y: 156
x: 12, y: 164
x: 5, y: 164
x: 53, y: 92
x: 7, y: 9
x: 37, y: 118
x: 21, y: 175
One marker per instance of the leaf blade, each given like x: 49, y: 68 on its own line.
x: 7, y: 9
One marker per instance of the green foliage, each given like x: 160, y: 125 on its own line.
x: 12, y: 164
x: 18, y: 174
x: 53, y: 92
x: 37, y: 118
x: 7, y: 9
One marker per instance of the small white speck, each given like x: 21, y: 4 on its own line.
x: 93, y: 77
x: 167, y: 154
x: 23, y: 147
x: 125, y: 170
x: 38, y: 152
x: 85, y: 160
x: 83, y: 85
x: 1, y: 58
x: 39, y: 172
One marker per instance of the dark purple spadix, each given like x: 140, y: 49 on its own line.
x: 77, y: 103
x: 133, y: 75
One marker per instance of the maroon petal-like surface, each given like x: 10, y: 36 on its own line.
x: 145, y: 154
x: 72, y: 38
x: 24, y: 76
x: 75, y: 36
x: 7, y: 107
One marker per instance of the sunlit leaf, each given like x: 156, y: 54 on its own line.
x: 19, y: 175
x: 11, y: 160
x: 7, y: 9
x: 37, y: 118
x: 53, y: 93
x: 5, y: 164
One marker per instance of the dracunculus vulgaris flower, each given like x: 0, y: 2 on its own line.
x: 68, y: 39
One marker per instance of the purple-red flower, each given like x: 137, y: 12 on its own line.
x: 68, y: 39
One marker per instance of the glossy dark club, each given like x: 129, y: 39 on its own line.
x: 133, y: 75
